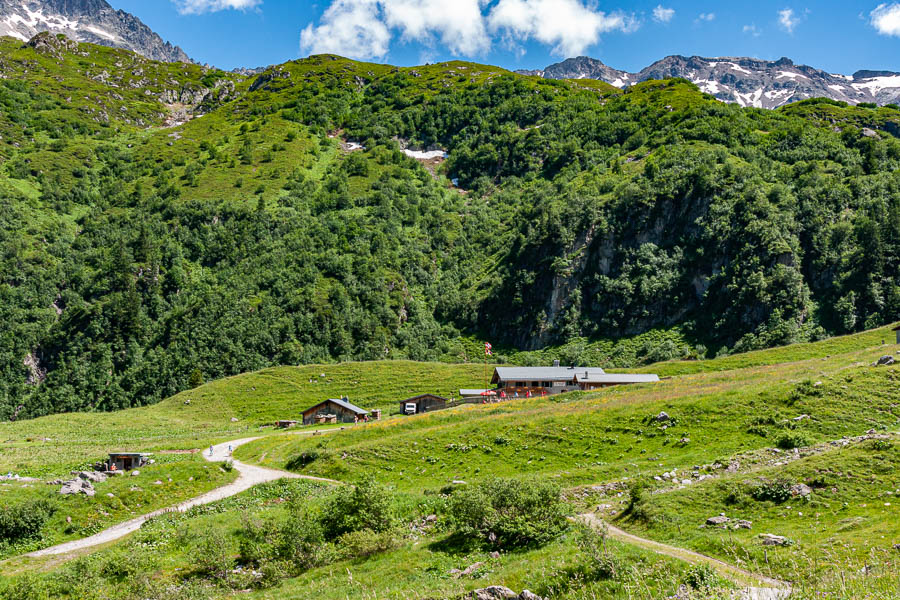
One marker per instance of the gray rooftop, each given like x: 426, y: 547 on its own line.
x: 613, y: 378
x: 343, y: 403
x: 471, y: 392
x: 541, y: 373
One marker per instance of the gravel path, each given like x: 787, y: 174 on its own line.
x: 250, y: 475
x: 765, y: 588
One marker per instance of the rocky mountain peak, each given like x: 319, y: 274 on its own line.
x: 743, y: 80
x: 92, y: 21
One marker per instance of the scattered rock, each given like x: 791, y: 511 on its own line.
x: 234, y: 419
x: 769, y: 539
x: 885, y: 360
x: 77, y: 486
x: 135, y: 473
x: 663, y: 416
x: 495, y: 554
x: 157, y: 482
x: 467, y: 571
x: 717, y: 521
x: 801, y: 489
x: 871, y: 133
x: 494, y: 592
x: 800, y: 418
x: 92, y: 476
x: 743, y: 524
x: 528, y: 595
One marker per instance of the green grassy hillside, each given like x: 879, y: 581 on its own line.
x: 741, y: 431
x: 164, y: 224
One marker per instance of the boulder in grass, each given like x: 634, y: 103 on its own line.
x: 77, y: 486
x: 494, y: 592
x: 801, y: 490
x: 92, y: 476
x: 769, y: 539
x: 717, y: 521
x: 884, y: 361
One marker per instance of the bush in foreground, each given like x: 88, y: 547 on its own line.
x: 509, y: 513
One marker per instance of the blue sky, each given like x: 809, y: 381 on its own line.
x: 837, y: 36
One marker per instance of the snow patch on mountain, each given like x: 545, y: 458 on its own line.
x: 747, y: 81
x: 92, y: 21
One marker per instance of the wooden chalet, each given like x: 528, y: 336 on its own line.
x: 425, y: 403
x: 341, y: 409
x: 542, y: 381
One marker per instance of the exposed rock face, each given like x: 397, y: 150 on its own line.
x: 746, y: 81
x: 92, y: 21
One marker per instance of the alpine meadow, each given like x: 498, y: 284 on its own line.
x: 253, y: 282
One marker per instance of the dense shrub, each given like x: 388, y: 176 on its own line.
x: 792, y: 439
x: 509, y: 513
x: 25, y: 520
x: 773, y: 491
x: 702, y: 577
x: 365, y: 505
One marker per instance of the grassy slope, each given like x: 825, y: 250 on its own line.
x: 581, y: 438
x: 58, y: 443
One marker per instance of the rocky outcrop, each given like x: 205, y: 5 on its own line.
x: 745, y: 81
x: 271, y: 79
x: 54, y: 44
x: 93, y: 21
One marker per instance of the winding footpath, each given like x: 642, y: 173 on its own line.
x: 250, y: 475
x: 753, y: 586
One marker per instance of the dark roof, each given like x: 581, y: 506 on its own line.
x: 342, y: 403
x: 414, y: 398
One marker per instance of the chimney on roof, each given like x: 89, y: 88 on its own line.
x: 555, y: 363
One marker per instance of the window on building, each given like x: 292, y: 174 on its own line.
x: 520, y: 384
x: 546, y: 384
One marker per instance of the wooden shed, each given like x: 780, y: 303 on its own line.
x: 126, y: 461
x: 342, y: 410
x: 424, y: 403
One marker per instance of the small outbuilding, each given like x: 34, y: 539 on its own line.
x: 340, y: 409
x: 423, y: 403
x: 126, y: 461
x: 285, y: 424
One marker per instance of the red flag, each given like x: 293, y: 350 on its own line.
x: 487, y: 349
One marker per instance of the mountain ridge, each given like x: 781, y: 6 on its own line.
x: 93, y: 21
x: 743, y: 80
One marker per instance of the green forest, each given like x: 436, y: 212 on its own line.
x: 163, y: 224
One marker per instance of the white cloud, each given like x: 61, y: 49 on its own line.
x: 663, y: 15
x: 366, y: 28
x: 886, y: 19
x: 568, y: 25
x: 706, y: 17
x: 752, y: 29
x: 788, y: 20
x: 196, y: 7
x: 350, y: 28
x: 458, y: 23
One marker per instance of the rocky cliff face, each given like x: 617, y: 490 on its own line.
x: 745, y: 81
x: 92, y: 21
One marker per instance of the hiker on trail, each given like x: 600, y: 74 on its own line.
x: 210, y: 450
x: 229, y: 448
